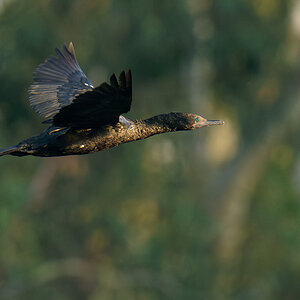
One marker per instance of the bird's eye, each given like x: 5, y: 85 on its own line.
x: 197, y: 119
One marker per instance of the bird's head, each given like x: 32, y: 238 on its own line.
x: 187, y: 121
x: 198, y: 122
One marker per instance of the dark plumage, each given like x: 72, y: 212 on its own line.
x: 85, y: 119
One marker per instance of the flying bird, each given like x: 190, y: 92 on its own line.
x: 86, y: 119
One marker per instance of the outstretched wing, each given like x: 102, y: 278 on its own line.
x: 99, y: 107
x: 57, y: 82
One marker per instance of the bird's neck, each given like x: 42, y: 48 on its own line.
x: 142, y: 129
x: 164, y: 123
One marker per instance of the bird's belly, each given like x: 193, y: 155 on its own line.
x: 73, y: 142
x: 83, y: 142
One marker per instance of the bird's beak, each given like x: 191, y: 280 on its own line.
x: 205, y: 123
x: 212, y: 122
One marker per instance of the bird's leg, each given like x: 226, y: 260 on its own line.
x: 125, y: 122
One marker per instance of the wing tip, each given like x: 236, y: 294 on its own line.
x: 128, y: 79
x: 67, y: 53
x: 113, y: 81
x: 70, y: 49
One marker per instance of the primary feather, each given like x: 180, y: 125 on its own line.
x: 57, y: 82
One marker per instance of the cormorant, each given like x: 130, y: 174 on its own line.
x: 85, y: 119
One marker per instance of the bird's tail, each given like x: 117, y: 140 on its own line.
x: 9, y: 150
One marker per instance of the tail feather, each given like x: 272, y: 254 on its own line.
x: 9, y: 150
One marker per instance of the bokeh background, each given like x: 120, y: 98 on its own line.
x: 209, y: 214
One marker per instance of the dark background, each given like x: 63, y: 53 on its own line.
x: 208, y: 214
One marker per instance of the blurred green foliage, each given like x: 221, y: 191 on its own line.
x: 212, y: 214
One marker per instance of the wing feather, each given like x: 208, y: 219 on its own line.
x: 62, y: 94
x: 100, y: 107
x: 57, y: 82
